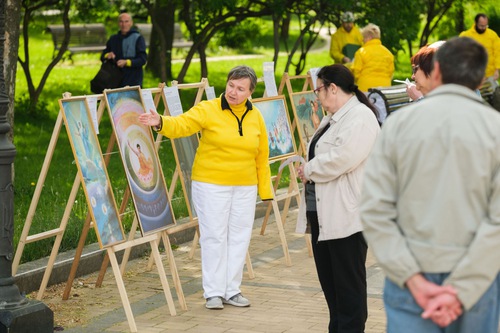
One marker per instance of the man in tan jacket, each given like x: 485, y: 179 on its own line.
x: 430, y: 202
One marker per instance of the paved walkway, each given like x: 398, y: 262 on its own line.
x: 284, y: 299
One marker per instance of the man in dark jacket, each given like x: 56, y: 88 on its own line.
x: 128, y: 49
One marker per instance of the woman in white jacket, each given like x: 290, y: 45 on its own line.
x: 332, y: 179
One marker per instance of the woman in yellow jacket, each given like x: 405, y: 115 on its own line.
x: 230, y: 167
x: 373, y: 64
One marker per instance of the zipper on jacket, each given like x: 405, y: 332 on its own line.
x: 240, y: 122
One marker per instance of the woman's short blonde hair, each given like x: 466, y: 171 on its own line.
x: 371, y: 31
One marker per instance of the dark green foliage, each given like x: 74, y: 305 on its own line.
x: 241, y: 36
x: 398, y: 21
x: 493, y: 13
x: 25, y: 110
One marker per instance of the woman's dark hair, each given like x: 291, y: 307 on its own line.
x: 343, y: 78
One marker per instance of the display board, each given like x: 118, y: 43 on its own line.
x: 140, y: 160
x: 308, y: 113
x: 91, y: 167
x: 275, y: 113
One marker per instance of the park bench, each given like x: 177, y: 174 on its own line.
x: 487, y: 90
x: 179, y: 42
x: 388, y: 99
x: 92, y: 37
x: 84, y: 38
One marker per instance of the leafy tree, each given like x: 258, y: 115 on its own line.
x: 86, y: 11
x: 30, y: 8
x: 205, y: 18
x: 399, y: 21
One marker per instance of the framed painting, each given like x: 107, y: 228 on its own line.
x: 140, y: 160
x: 275, y: 113
x: 92, y: 170
x: 308, y: 113
x: 184, y: 148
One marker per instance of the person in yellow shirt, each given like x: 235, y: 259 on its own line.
x: 489, y: 39
x: 345, y: 41
x: 231, y: 166
x: 373, y: 64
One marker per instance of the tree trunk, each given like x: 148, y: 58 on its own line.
x: 460, y: 26
x: 160, y: 48
x: 276, y: 39
x: 285, y: 27
x: 12, y: 23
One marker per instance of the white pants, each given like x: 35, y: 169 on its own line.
x: 225, y: 216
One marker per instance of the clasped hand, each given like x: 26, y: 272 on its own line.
x: 440, y: 303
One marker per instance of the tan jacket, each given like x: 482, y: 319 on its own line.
x: 337, y: 170
x: 431, y: 193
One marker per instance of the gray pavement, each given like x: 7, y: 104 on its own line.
x: 284, y: 298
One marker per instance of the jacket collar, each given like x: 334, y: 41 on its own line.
x: 225, y: 105
x: 351, y: 103
x: 455, y: 89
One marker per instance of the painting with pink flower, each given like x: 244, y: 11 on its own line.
x: 308, y: 113
x: 140, y: 160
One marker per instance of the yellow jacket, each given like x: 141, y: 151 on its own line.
x: 491, y: 43
x: 373, y: 66
x: 340, y: 39
x: 226, y: 155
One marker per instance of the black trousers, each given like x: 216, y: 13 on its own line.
x: 340, y: 264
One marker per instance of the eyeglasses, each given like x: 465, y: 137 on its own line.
x: 317, y: 90
x: 415, y: 69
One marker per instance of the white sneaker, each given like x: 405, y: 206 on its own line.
x: 214, y: 303
x: 237, y: 300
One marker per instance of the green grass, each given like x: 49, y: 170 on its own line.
x: 33, y: 133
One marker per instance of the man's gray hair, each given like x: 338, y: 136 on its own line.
x: 462, y: 61
x: 243, y: 72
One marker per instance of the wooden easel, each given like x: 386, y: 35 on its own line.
x: 92, y: 151
x: 86, y: 227
x: 163, y: 235
x: 58, y: 233
x: 153, y: 240
x: 293, y: 188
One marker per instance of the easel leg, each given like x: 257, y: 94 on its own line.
x: 269, y: 207
x: 76, y: 260
x: 123, y: 206
x: 309, y: 244
x: 281, y: 232
x: 266, y: 218
x: 173, y: 271
x: 251, y: 274
x: 126, y: 252
x: 121, y: 289
x: 58, y: 240
x: 194, y: 243
x: 163, y: 277
x: 102, y: 271
x: 36, y: 195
